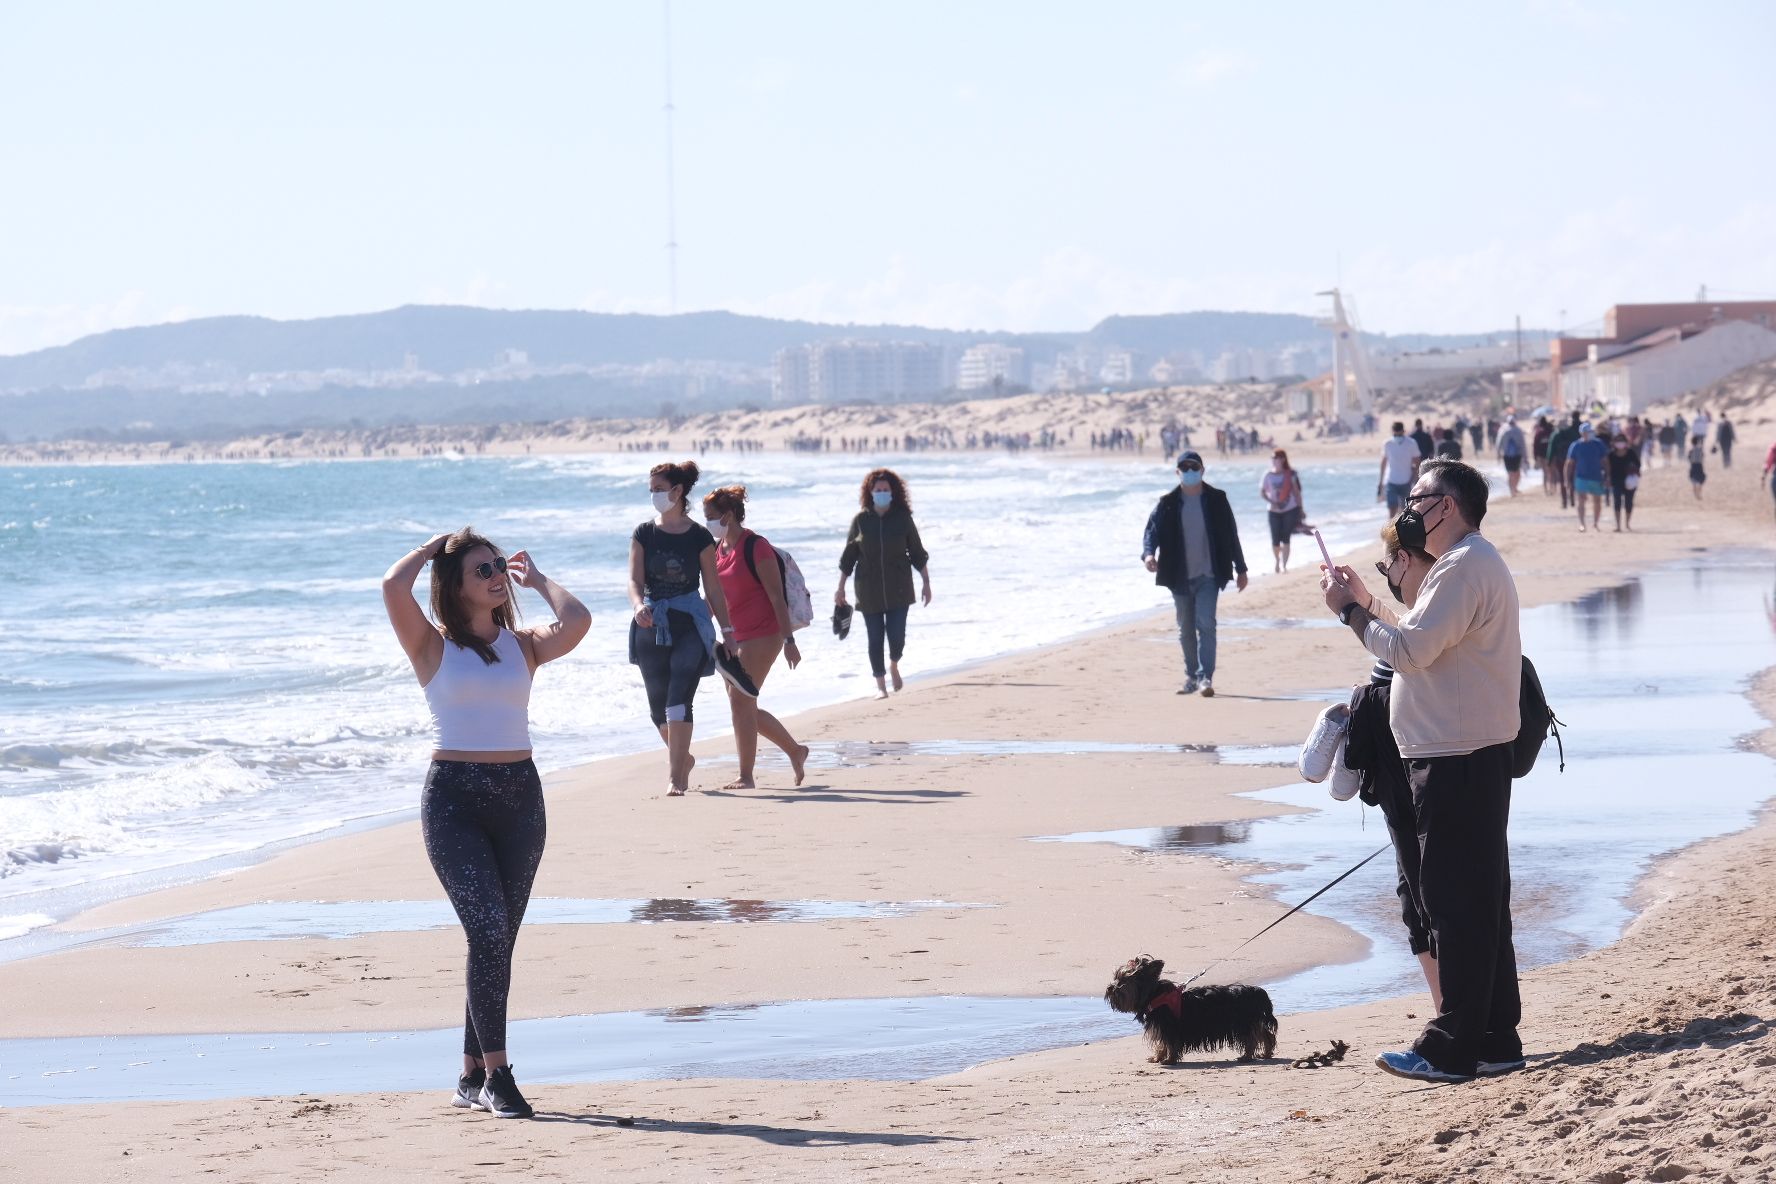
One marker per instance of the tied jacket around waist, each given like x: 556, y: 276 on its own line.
x: 1164, y: 538
x: 884, y: 550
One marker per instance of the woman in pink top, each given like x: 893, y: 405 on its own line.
x: 760, y: 617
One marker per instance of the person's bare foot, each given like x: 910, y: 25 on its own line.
x: 675, y: 791
x: 798, y: 764
x: 741, y: 783
x: 894, y: 676
x: 881, y: 689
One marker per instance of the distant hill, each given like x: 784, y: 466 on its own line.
x: 1211, y: 332
x: 448, y: 339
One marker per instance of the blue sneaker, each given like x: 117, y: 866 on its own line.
x: 1410, y: 1064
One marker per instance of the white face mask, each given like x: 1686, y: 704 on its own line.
x: 662, y: 500
x: 715, y: 525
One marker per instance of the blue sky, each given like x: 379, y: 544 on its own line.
x: 989, y: 165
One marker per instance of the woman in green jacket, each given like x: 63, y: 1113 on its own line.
x: 883, y: 548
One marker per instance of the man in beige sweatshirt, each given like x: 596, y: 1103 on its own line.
x: 1458, y: 662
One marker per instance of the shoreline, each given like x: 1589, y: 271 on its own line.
x: 845, y: 715
x: 1066, y: 1112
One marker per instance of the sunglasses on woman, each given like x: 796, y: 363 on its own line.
x: 484, y: 570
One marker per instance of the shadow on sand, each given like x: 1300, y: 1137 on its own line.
x: 826, y: 793
x: 782, y: 1136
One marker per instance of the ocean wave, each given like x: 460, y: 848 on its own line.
x: 107, y: 815
x: 20, y: 924
x: 54, y: 756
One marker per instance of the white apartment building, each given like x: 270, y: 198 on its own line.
x: 1118, y: 368
x: 988, y: 364
x: 856, y: 371
x: 1664, y: 365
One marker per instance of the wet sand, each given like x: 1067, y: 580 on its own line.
x: 1638, y: 1050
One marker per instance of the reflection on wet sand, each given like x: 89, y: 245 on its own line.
x: 341, y: 919
x: 895, y: 1039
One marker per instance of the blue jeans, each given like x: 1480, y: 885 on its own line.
x: 892, y: 624
x: 1195, y: 602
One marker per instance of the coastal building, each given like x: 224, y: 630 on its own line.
x: 856, y: 371
x: 1401, y: 371
x: 789, y: 377
x: 1648, y: 353
x: 1118, y: 368
x: 990, y: 365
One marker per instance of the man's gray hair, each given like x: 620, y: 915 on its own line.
x: 1462, y: 482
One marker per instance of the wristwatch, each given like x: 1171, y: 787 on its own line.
x: 1344, y: 614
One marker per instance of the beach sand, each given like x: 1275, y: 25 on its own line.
x: 1650, y: 1059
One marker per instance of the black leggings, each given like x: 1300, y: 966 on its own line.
x: 484, y: 830
x: 671, y: 672
x: 1622, y: 499
x: 893, y: 623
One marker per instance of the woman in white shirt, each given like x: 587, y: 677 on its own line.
x: 482, y: 811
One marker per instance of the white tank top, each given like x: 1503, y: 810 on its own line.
x: 478, y: 707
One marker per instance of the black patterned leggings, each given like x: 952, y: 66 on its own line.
x: 484, y: 830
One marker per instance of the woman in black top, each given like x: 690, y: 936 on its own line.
x: 672, y: 637
x: 883, y: 548
x: 1623, y: 473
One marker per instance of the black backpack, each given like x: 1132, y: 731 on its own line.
x: 1537, y: 723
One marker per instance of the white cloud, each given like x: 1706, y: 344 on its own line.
x: 1211, y: 66
x: 482, y: 291
x: 25, y: 328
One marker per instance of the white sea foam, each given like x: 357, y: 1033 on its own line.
x: 22, y: 923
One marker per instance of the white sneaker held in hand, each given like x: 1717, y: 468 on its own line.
x: 1323, y: 743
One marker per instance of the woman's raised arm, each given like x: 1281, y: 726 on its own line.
x: 418, y: 637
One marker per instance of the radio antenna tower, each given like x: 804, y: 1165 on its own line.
x: 671, y: 181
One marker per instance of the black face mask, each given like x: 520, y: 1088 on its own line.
x: 1394, y: 591
x: 1410, y: 527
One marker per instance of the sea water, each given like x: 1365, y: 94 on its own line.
x: 196, y: 666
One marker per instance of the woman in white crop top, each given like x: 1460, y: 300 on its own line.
x: 482, y: 811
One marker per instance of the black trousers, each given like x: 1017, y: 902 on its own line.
x: 484, y: 828
x: 1394, y: 796
x: 1463, y: 804
x: 892, y: 624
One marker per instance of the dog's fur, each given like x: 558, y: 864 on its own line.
x: 1200, y: 1019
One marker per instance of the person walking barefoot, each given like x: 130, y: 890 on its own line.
x: 482, y: 812
x: 1281, y: 490
x: 883, y: 548
x: 672, y: 635
x: 752, y: 583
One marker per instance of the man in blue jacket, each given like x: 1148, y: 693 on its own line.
x: 1192, y: 544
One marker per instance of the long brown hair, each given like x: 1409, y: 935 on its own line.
x: 447, y: 602
x: 896, y: 487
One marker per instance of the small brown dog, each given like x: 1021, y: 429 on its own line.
x: 1195, y: 1020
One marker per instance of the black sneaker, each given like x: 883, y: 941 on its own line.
x: 468, y: 1090
x: 500, y: 1096
x: 728, y: 666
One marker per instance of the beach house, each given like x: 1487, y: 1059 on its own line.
x: 1649, y: 353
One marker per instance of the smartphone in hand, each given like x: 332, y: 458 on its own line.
x: 1327, y: 556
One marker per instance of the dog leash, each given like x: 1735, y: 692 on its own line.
x: 1285, y: 916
